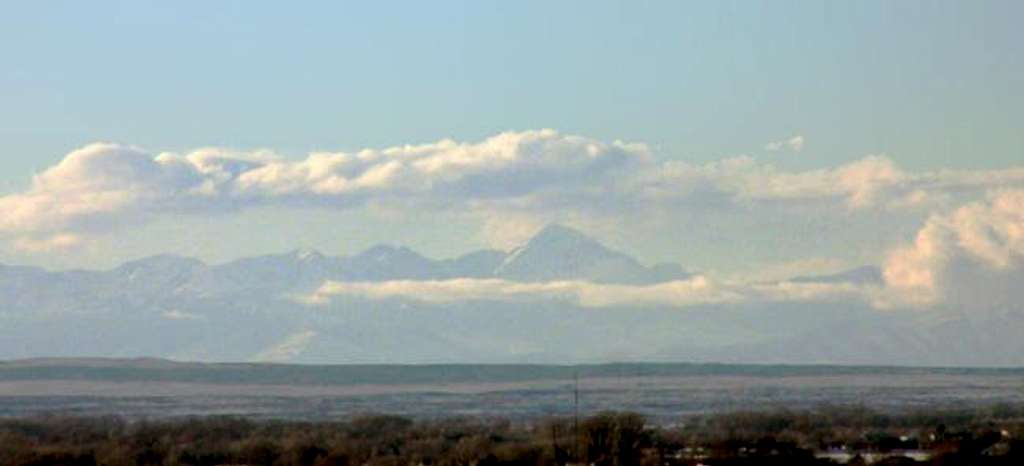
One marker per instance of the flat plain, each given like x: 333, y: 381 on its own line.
x: 665, y: 393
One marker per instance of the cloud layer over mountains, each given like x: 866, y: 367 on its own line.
x: 948, y: 294
x: 106, y: 186
x: 532, y: 174
x: 561, y: 297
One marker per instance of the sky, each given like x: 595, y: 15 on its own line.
x: 736, y: 138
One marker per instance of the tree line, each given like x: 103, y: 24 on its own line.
x: 988, y: 436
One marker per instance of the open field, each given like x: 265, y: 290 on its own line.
x: 662, y: 392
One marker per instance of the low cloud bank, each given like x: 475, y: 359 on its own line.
x: 677, y: 294
x: 103, y: 187
x: 967, y: 260
x: 528, y: 175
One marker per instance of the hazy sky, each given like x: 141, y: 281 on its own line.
x: 736, y: 137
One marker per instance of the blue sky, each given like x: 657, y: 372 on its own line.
x: 931, y: 85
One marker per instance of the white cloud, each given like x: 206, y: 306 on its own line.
x: 871, y: 182
x: 813, y: 266
x: 859, y: 184
x: 104, y: 186
x: 795, y: 144
x: 175, y: 314
x: 966, y: 259
x: 699, y: 290
x: 48, y: 243
x: 528, y: 178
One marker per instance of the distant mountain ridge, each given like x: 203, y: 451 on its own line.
x: 559, y: 253
x: 248, y: 309
x: 555, y: 253
x: 162, y: 370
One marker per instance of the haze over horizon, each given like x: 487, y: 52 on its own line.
x: 573, y: 182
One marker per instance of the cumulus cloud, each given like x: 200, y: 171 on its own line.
x: 698, y: 290
x: 531, y: 177
x: 175, y: 314
x: 870, y: 182
x: 103, y: 186
x: 970, y: 258
x: 859, y: 184
x: 795, y: 144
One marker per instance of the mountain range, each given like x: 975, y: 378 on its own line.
x: 248, y: 310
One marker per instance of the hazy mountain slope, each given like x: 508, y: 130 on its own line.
x: 560, y: 253
x: 168, y: 306
x: 478, y: 264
